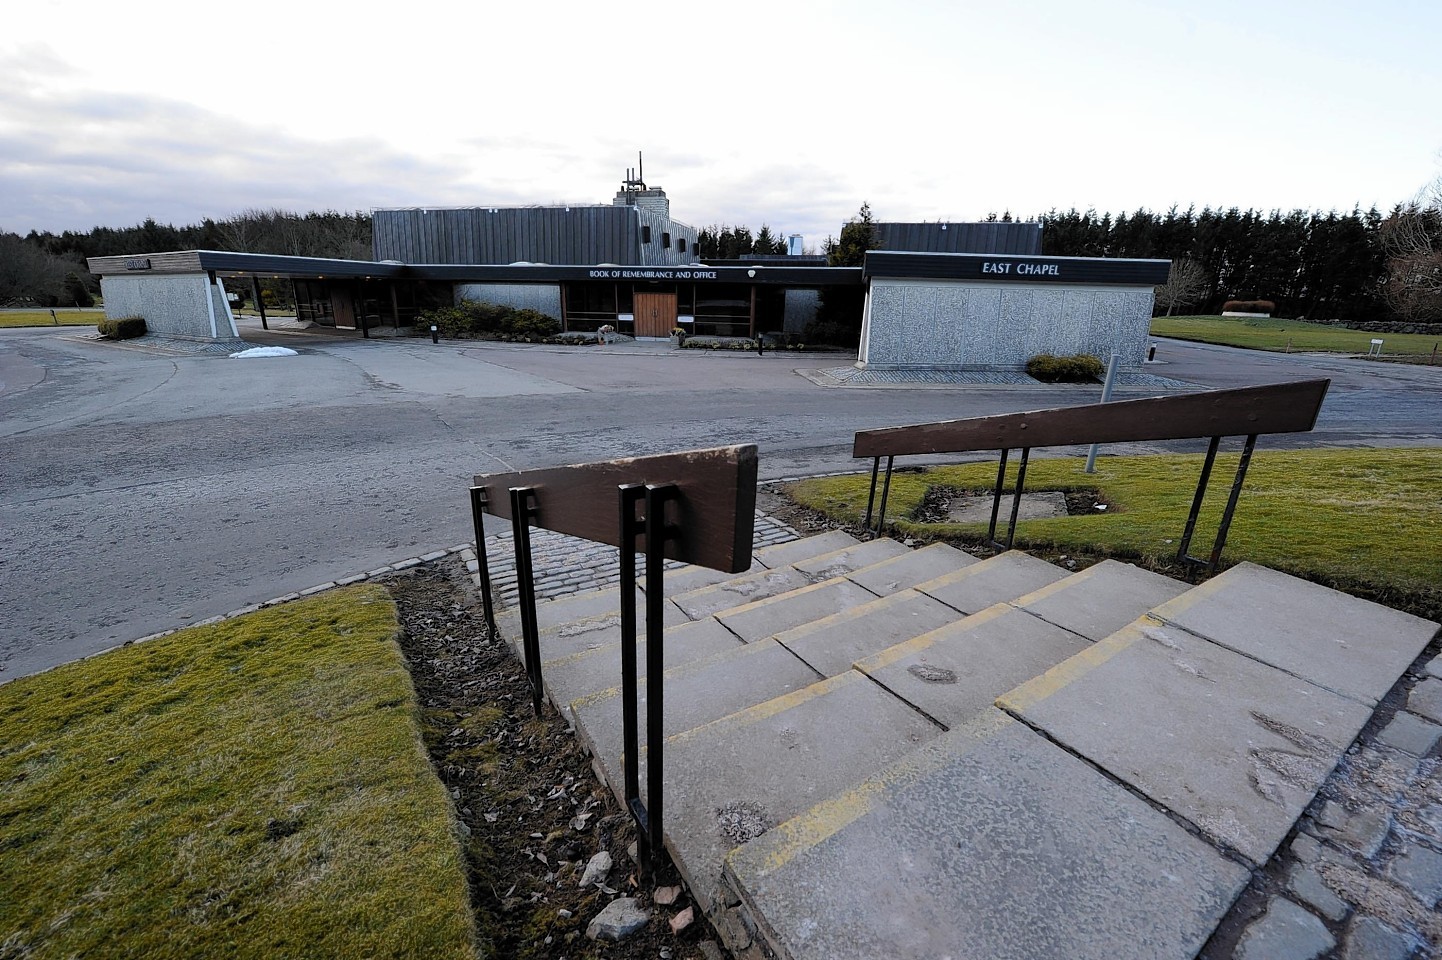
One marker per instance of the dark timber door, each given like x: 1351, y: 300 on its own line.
x: 655, y: 314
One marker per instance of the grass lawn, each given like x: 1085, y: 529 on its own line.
x: 42, y: 318
x: 254, y: 788
x: 1365, y: 521
x: 1273, y: 334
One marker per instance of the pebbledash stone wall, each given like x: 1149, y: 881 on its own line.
x: 945, y: 324
x: 182, y: 305
x: 542, y: 297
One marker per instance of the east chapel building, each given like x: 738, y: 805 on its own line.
x: 934, y: 295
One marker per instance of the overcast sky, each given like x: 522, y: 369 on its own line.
x: 785, y: 113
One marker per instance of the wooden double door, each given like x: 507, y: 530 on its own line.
x: 655, y: 314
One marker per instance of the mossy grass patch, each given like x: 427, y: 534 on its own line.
x: 42, y: 318
x: 1364, y: 521
x: 253, y: 788
x: 1271, y: 333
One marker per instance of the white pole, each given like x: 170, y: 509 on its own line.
x: 1106, y: 396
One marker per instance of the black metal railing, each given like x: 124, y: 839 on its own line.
x: 697, y: 507
x: 1249, y: 412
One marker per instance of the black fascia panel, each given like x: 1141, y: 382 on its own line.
x: 1015, y: 268
x: 222, y: 261
x: 788, y: 276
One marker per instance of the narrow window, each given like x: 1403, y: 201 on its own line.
x: 665, y: 241
x: 645, y: 233
x: 681, y: 244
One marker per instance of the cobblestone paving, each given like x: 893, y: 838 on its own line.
x: 565, y: 564
x: 1361, y: 877
x: 852, y: 377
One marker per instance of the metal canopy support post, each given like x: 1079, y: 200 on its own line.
x: 522, y: 507
x: 1186, y: 544
x: 480, y: 501
x: 259, y: 301
x: 1232, y: 503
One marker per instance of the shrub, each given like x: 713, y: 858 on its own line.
x: 1249, y: 306
x: 530, y: 324
x: 121, y: 328
x: 1077, y: 368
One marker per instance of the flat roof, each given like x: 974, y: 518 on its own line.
x: 1015, y: 268
x: 230, y: 264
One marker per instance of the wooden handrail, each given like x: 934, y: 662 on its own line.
x: 1277, y: 408
x: 716, y: 506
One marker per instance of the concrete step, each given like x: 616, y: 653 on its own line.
x: 733, y: 778
x: 599, y: 668
x: 562, y: 638
x: 986, y: 842
x: 994, y: 580
x: 954, y: 673
x: 696, y: 693
x: 776, y: 580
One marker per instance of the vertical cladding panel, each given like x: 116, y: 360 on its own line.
x: 984, y: 331
x: 1053, y: 331
x: 1019, y: 342
x: 1123, y: 318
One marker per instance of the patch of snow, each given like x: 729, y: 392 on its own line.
x: 264, y: 352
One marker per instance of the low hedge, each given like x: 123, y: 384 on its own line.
x: 473, y: 319
x: 1249, y: 306
x: 121, y: 328
x: 1077, y: 368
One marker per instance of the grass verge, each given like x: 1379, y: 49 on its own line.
x: 42, y: 318
x: 1365, y: 521
x: 254, y: 788
x: 1257, y: 333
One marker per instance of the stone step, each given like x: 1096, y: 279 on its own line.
x: 733, y: 778
x: 994, y: 580
x: 785, y: 554
x: 1349, y: 646
x: 591, y: 671
x: 832, y: 644
x: 912, y: 568
x: 1101, y: 599
x: 1234, y: 746
x: 749, y: 587
x: 768, y: 617
x: 696, y: 693
x: 562, y: 638
x: 954, y: 673
x: 986, y: 842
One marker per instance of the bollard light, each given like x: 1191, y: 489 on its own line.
x: 435, y: 335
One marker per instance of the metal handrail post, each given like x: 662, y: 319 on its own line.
x: 871, y: 497
x: 479, y: 503
x: 1202, y: 481
x: 522, y: 499
x: 996, y: 498
x: 657, y: 533
x: 885, y: 492
x: 1232, y: 503
x: 631, y: 496
x: 1016, y: 498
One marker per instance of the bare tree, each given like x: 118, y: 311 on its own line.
x: 28, y: 274
x: 1412, y: 237
x: 1187, y: 281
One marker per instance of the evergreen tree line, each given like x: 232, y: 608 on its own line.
x: 49, y: 268
x: 1316, y: 266
x: 718, y: 242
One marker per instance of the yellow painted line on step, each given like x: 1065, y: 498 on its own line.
x: 724, y: 615
x: 799, y: 834
x: 1073, y: 668
x: 915, y: 645
x: 1176, y: 606
x: 869, y: 608
x: 1065, y: 583
x: 774, y: 706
